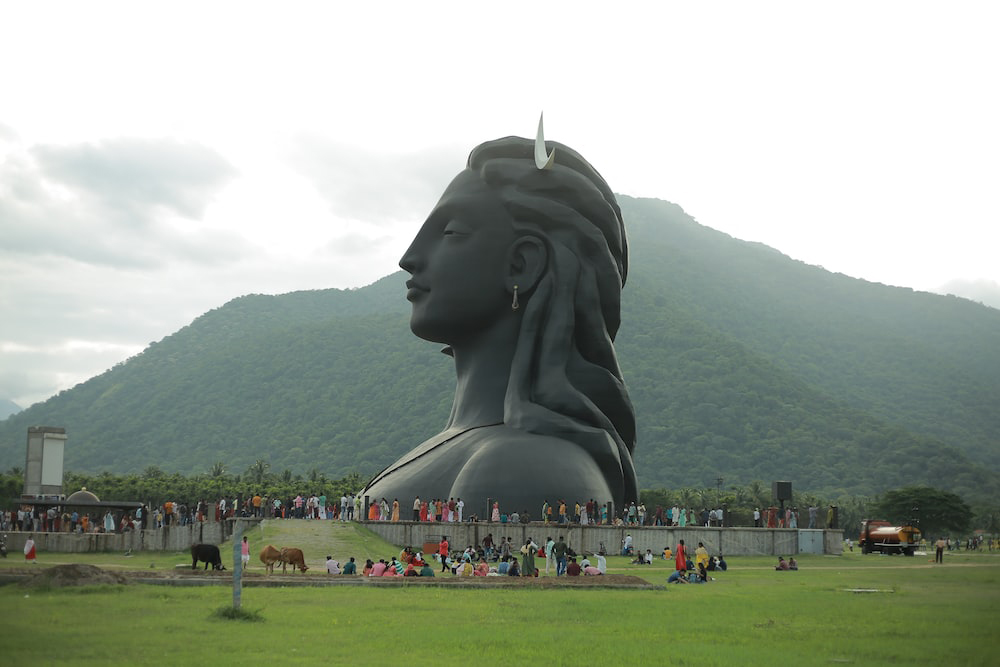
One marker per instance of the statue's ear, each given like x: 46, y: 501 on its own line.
x: 526, y: 262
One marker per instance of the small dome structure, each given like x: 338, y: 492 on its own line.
x: 82, y: 496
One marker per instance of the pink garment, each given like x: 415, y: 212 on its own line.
x: 591, y: 570
x: 378, y: 569
x: 495, y: 517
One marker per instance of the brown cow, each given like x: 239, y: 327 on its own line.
x: 294, y: 557
x: 269, y: 556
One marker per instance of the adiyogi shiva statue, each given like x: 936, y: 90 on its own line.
x: 518, y: 270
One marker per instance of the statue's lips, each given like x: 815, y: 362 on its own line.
x: 414, y: 290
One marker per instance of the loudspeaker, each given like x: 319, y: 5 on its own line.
x: 781, y: 490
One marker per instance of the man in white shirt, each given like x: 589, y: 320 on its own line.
x: 332, y: 566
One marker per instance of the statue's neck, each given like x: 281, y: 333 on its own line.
x: 482, y: 371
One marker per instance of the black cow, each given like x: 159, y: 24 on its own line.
x: 208, y: 553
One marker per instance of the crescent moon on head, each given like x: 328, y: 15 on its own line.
x: 542, y: 160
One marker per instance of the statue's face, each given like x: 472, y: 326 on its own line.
x: 458, y: 262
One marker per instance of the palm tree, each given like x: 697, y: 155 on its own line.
x: 689, y: 497
x: 760, y: 495
x: 218, y: 469
x: 258, y: 471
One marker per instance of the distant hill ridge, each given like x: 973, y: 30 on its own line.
x: 8, y: 408
x: 742, y: 363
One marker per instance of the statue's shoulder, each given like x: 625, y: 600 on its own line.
x: 501, y: 441
x: 529, y: 460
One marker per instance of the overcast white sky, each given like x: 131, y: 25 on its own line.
x: 160, y: 159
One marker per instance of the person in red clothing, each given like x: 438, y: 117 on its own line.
x: 443, y: 552
x: 573, y: 570
x: 680, y: 557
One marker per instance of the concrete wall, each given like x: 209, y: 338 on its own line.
x: 729, y: 541
x: 173, y: 538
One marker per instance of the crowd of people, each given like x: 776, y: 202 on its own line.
x: 688, y: 570
x: 489, y: 559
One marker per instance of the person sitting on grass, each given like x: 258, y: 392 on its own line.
x: 369, y: 566
x: 426, y: 571
x: 350, y: 567
x: 332, y: 566
x: 411, y: 571
x: 782, y: 564
x: 677, y: 577
x: 378, y: 569
x: 591, y: 571
x: 792, y: 565
x: 504, y: 565
x: 703, y: 574
x: 667, y: 554
x: 573, y: 569
x: 717, y: 564
x: 513, y: 570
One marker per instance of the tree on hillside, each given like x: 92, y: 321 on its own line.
x: 257, y: 472
x: 939, y: 512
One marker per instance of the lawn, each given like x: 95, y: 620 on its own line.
x: 920, y: 614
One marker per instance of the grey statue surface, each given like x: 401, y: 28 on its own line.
x: 518, y: 270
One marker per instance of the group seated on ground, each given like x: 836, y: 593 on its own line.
x: 717, y: 563
x: 643, y: 558
x: 591, y: 570
x: 784, y: 565
x: 698, y: 576
x: 471, y: 562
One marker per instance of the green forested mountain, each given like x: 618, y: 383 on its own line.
x: 8, y: 407
x: 742, y: 363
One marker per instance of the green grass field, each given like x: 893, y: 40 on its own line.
x: 922, y: 614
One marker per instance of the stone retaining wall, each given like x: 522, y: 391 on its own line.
x: 172, y: 538
x: 589, y: 539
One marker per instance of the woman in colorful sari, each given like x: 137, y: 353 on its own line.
x: 528, y: 558
x: 29, y: 549
x: 680, y: 557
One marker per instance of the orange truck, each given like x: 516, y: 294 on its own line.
x: 883, y: 537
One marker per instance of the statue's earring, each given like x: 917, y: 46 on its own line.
x: 514, y: 305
